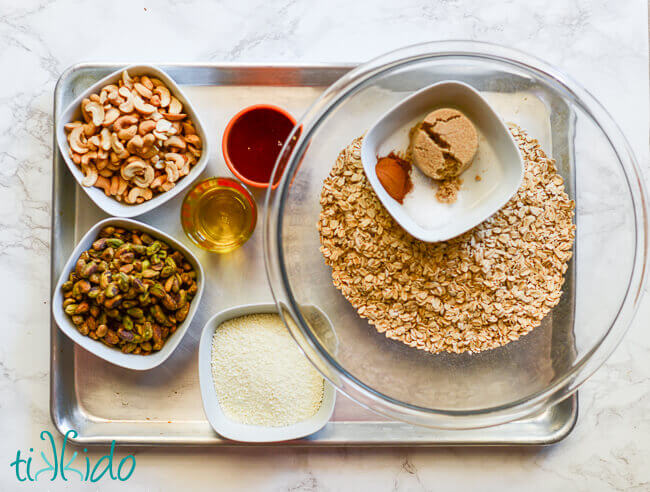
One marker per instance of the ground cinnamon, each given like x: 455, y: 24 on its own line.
x: 394, y: 174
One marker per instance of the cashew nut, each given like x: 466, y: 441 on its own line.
x: 141, y: 106
x: 127, y: 106
x: 104, y: 183
x: 158, y: 181
x: 163, y: 126
x: 72, y: 125
x: 172, y: 172
x: 138, y: 193
x: 135, y: 144
x: 146, y: 126
x: 87, y: 157
x: 130, y: 170
x: 142, y: 90
x: 166, y: 186
x: 174, y: 116
x: 177, y: 159
x: 188, y: 128
x: 146, y: 81
x: 127, y: 80
x: 89, y: 129
x: 193, y: 140
x: 96, y: 111
x: 144, y: 180
x: 77, y: 140
x: 164, y: 95
x: 105, y: 139
x: 176, y: 141
x: 90, y: 175
x: 111, y: 116
x: 175, y: 106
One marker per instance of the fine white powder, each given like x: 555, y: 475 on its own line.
x: 260, y: 375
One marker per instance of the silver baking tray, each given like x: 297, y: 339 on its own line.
x: 163, y: 406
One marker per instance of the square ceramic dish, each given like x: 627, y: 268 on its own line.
x: 491, y: 180
x: 112, y: 355
x: 244, y: 432
x: 107, y: 203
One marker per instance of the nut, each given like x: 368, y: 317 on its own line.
x: 136, y: 119
x: 124, y: 306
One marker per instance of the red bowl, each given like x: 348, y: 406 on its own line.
x: 226, y: 136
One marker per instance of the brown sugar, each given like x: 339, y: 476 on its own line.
x: 448, y: 190
x: 444, y: 144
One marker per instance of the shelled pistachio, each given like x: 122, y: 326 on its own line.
x: 129, y: 291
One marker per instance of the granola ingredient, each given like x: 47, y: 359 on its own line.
x: 478, y: 291
x: 260, y: 375
x: 394, y: 175
x: 134, y: 136
x: 444, y: 144
x: 447, y: 191
x: 129, y: 290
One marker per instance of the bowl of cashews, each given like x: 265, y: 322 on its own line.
x: 133, y: 140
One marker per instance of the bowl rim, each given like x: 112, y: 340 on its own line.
x: 557, y: 391
x: 107, y: 203
x: 97, y: 348
x: 489, y: 207
x: 226, y: 134
x: 235, y: 431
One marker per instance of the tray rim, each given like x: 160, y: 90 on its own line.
x: 63, y: 427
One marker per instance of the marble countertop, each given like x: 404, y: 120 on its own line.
x: 601, y: 43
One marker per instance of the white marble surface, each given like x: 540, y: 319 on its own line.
x: 602, y: 43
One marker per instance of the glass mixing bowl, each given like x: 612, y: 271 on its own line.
x: 603, y: 285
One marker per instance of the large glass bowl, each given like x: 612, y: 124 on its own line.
x: 603, y: 285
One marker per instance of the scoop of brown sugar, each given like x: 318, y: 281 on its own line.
x: 444, y: 144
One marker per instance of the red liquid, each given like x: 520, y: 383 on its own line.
x: 255, y: 141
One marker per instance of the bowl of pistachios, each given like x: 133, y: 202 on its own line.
x: 128, y: 293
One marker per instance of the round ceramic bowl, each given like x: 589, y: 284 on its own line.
x: 236, y: 431
x: 603, y: 284
x: 110, y: 354
x: 107, y: 203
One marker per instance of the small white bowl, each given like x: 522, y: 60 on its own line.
x: 245, y: 432
x: 113, y: 355
x: 109, y: 204
x: 478, y: 199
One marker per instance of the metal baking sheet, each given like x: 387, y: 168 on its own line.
x: 163, y: 406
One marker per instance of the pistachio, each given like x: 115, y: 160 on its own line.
x: 157, y: 290
x: 111, y: 290
x: 101, y: 330
x: 100, y: 244
x: 114, y: 242
x: 70, y: 308
x: 114, y: 294
x: 182, y: 312
x: 137, y: 313
x: 127, y: 348
x: 113, y: 302
x: 82, y: 308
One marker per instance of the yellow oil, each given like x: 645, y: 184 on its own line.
x: 218, y: 218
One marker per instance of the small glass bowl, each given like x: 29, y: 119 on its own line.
x: 219, y: 214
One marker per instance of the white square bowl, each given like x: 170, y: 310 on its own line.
x: 245, y: 432
x: 478, y: 199
x: 107, y: 203
x: 113, y: 355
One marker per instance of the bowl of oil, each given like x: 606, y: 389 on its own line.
x: 219, y: 214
